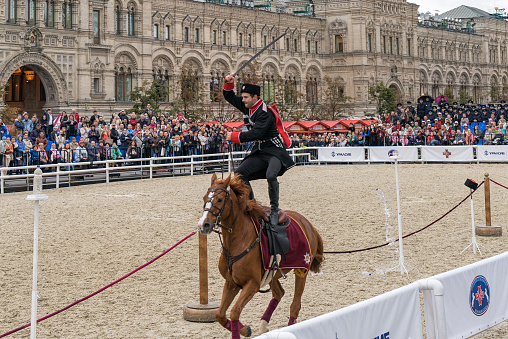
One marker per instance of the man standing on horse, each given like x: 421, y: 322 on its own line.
x: 268, y: 158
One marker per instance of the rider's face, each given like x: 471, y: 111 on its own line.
x: 249, y: 100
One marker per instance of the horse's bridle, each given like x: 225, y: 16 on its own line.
x: 218, y: 216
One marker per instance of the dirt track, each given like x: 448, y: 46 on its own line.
x: 92, y: 235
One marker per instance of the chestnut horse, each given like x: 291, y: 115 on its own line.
x: 227, y: 206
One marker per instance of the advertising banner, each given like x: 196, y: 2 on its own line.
x: 492, y: 153
x: 341, y: 154
x: 393, y: 315
x: 447, y: 153
x: 475, y: 296
x: 405, y: 153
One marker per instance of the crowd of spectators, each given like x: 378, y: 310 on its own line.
x: 427, y: 124
x: 72, y: 139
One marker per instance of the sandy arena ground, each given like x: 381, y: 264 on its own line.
x: 93, y: 235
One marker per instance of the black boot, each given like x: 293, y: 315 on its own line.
x: 273, y: 193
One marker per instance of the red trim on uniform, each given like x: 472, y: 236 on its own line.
x: 255, y: 106
x: 235, y: 137
x: 228, y: 86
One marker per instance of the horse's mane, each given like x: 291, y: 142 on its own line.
x: 251, y: 207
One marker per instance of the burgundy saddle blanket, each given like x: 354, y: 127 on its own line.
x: 298, y: 256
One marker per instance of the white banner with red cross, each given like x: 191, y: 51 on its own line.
x: 341, y: 154
x: 393, y: 315
x: 447, y: 153
x: 475, y: 296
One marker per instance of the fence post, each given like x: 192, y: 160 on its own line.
x: 151, y: 169
x: 192, y: 165
x: 57, y: 176
x: 107, y: 172
x: 2, y: 180
x: 488, y: 229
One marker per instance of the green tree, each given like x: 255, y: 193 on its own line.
x: 448, y: 92
x: 149, y: 93
x: 334, y: 100
x: 385, y: 98
x: 464, y: 97
x: 504, y: 93
x: 287, y: 97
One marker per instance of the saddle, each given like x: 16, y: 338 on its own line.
x: 278, y: 242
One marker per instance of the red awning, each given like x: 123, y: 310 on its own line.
x: 234, y: 124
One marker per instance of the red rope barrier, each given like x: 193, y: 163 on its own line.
x: 100, y: 290
x: 495, y: 182
x: 410, y: 234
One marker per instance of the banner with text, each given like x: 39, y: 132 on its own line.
x: 492, y: 153
x: 475, y: 296
x: 393, y: 315
x: 341, y: 154
x: 404, y: 153
x: 447, y: 153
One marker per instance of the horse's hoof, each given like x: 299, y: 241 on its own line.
x: 247, y: 330
x: 263, y: 326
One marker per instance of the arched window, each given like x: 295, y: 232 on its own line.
x: 117, y: 19
x: 10, y: 11
x: 49, y: 13
x: 67, y: 14
x: 189, y: 86
x: 311, y: 90
x: 268, y: 89
x: 123, y: 84
x: 156, y: 31
x: 130, y: 21
x: 339, y: 44
x: 30, y: 12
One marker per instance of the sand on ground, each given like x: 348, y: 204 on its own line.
x: 93, y: 235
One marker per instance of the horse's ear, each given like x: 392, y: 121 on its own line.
x: 227, y: 180
x: 214, y: 177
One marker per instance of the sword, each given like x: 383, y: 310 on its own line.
x: 258, y: 53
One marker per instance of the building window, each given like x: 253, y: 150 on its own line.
x: 264, y: 41
x: 390, y: 45
x: 311, y: 91
x: 156, y: 31
x: 96, y: 87
x: 224, y: 38
x: 397, y: 50
x: 10, y: 11
x: 316, y: 47
x: 308, y: 46
x: 130, y: 22
x: 240, y: 39
x: 273, y: 39
x: 268, y: 89
x: 123, y: 84
x: 369, y: 43
x: 409, y: 47
x: 339, y: 44
x: 30, y: 12
x: 196, y: 35
x: 384, y: 44
x: 287, y: 44
x: 249, y: 40
x: 49, y: 13
x: 186, y: 34
x: 96, y: 27
x: 214, y: 37
x: 166, y: 32
x: 117, y: 19
x: 67, y: 14
x: 296, y: 45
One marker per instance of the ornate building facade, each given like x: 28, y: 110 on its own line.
x: 90, y: 54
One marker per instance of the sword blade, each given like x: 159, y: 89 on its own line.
x: 258, y: 53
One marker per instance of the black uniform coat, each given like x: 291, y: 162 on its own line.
x: 262, y: 131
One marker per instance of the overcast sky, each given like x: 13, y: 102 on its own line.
x: 443, y: 6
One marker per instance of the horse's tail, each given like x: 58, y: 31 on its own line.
x: 318, y: 259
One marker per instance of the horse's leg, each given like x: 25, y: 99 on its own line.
x: 277, y: 294
x: 229, y: 293
x: 246, y: 295
x: 297, y: 299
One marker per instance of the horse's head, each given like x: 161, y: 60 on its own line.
x: 215, y: 204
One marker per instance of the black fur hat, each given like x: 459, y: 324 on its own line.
x: 251, y: 89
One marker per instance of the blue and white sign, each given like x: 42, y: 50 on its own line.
x: 479, y: 295
x: 404, y: 153
x: 341, y: 154
x: 492, y: 153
